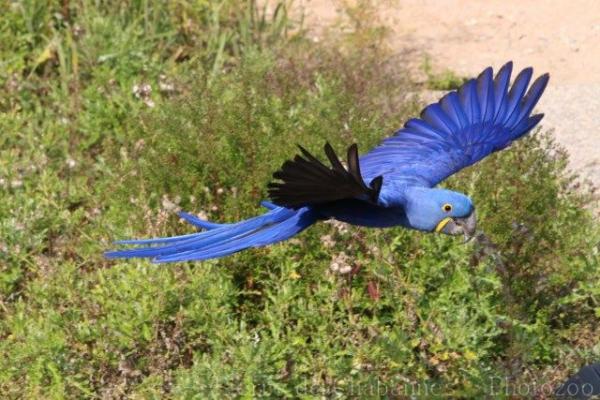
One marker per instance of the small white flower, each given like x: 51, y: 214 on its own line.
x: 164, y: 86
x: 340, y: 263
x: 341, y: 227
x: 346, y: 269
x: 334, y: 267
x: 139, y: 145
x: 169, y: 205
x: 143, y: 92
x: 327, y: 241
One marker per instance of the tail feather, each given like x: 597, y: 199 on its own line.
x: 160, y: 240
x: 259, y: 237
x: 199, y: 223
x: 268, y: 205
x: 204, y: 224
x: 221, y: 239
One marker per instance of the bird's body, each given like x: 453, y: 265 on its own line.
x: 356, y: 212
x: 392, y: 185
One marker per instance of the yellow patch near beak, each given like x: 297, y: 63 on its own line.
x: 442, y: 224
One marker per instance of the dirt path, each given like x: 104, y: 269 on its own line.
x: 557, y: 36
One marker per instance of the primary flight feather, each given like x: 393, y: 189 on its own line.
x: 393, y: 184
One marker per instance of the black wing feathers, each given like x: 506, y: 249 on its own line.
x: 305, y: 180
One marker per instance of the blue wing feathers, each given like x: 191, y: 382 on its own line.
x: 483, y: 116
x: 526, y: 125
x: 533, y: 96
x: 435, y: 116
x: 485, y: 93
x: 474, y: 103
x: 451, y: 106
x: 423, y: 129
x: 465, y: 95
x: 516, y: 95
x: 501, y: 83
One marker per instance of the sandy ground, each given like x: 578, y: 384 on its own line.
x: 561, y: 37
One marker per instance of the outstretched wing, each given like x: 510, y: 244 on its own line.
x: 483, y: 116
x: 306, y: 181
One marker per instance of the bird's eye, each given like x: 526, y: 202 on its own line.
x: 447, y: 207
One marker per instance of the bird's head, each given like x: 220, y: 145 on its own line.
x: 441, y: 211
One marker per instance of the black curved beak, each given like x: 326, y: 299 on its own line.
x: 456, y: 226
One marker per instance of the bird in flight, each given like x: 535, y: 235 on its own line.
x: 391, y: 185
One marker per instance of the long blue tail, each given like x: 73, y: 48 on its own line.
x: 221, y: 240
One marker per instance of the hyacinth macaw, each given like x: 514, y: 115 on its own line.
x: 393, y: 184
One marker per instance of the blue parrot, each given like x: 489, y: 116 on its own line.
x: 393, y: 184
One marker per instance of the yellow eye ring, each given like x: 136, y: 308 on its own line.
x: 447, y: 207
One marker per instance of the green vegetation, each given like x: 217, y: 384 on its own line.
x: 445, y: 80
x: 89, y: 154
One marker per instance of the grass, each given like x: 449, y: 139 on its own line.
x: 89, y: 154
x: 445, y: 80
